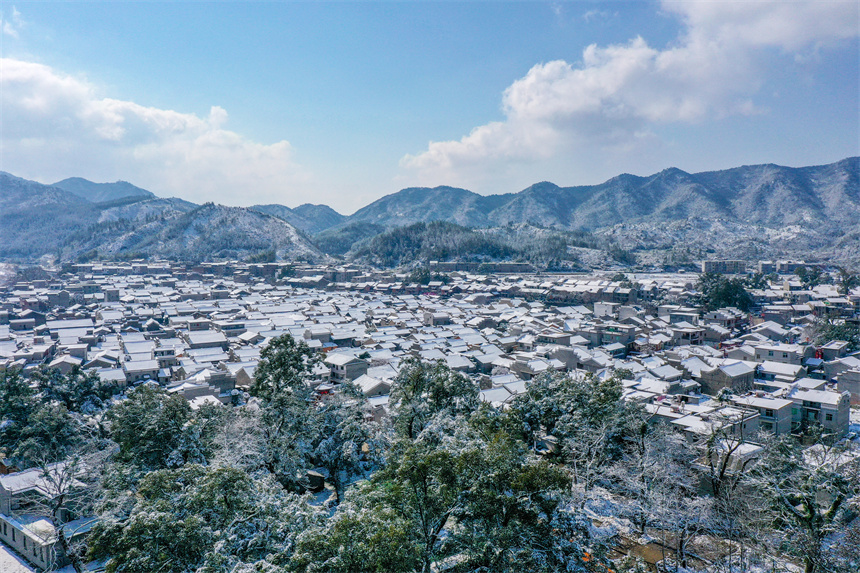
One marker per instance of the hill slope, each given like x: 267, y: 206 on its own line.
x: 102, y: 192
x: 38, y: 220
x: 203, y: 232
x: 757, y: 211
x: 309, y: 218
x: 422, y: 204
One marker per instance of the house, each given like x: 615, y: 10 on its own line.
x: 371, y: 386
x: 345, y: 366
x: 207, y: 339
x: 784, y: 353
x: 729, y: 420
x: 24, y: 525
x: 779, y: 372
x: 834, y: 349
x: 849, y: 381
x: 140, y: 370
x: 775, y: 414
x: 684, y: 333
x: 831, y: 410
x: 738, y: 376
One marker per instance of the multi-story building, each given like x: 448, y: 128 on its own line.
x: 724, y: 267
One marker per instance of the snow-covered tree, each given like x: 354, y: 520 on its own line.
x: 811, y: 491
x: 284, y: 365
x: 423, y: 390
x: 347, y: 444
x: 197, y: 518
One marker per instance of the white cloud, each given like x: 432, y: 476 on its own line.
x: 616, y: 94
x: 55, y: 126
x: 792, y: 25
x: 9, y: 26
x: 592, y: 15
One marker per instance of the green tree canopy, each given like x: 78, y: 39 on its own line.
x: 718, y: 291
x: 78, y: 390
x: 423, y: 390
x: 197, y: 518
x: 149, y: 427
x: 284, y: 364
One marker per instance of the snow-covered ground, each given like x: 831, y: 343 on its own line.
x: 7, y: 274
x: 854, y: 423
x: 11, y: 563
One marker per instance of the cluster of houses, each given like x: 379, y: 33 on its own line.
x: 198, y: 331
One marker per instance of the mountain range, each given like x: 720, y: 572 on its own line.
x: 749, y: 211
x: 759, y: 194
x: 39, y: 220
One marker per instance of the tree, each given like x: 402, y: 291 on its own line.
x: 197, y: 518
x: 346, y: 444
x: 367, y: 533
x: 149, y: 427
x: 829, y: 329
x: 17, y: 402
x: 284, y: 365
x: 78, y: 390
x: 70, y: 491
x: 809, y: 276
x: 422, y: 391
x: 50, y: 435
x: 277, y: 439
x: 513, y: 516
x: 757, y: 281
x: 472, y: 500
x: 584, y: 413
x: 809, y: 490
x: 847, y: 280
x: 654, y: 465
x: 717, y: 291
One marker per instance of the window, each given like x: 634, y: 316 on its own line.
x: 828, y: 417
x: 770, y: 352
x: 768, y: 413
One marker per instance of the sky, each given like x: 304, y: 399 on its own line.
x: 341, y: 103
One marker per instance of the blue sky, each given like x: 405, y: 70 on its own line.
x: 341, y: 103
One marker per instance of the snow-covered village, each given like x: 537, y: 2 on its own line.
x: 430, y: 286
x: 282, y: 417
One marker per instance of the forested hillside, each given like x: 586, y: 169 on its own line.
x: 442, y: 241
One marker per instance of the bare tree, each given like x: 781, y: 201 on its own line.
x: 810, y: 490
x: 70, y: 490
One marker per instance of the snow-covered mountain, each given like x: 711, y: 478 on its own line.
x: 38, y: 220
